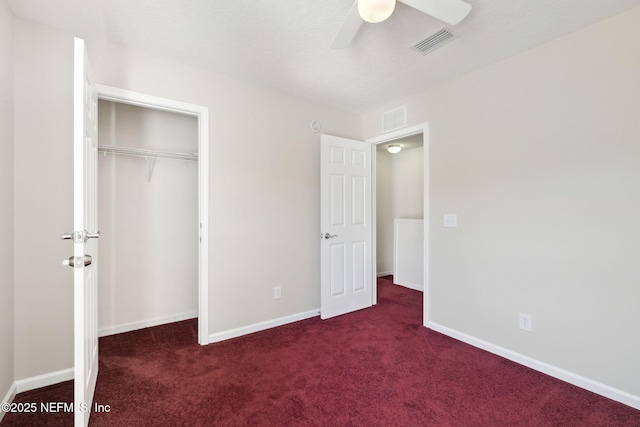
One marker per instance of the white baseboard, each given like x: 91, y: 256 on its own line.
x: 384, y: 273
x: 43, y: 380
x: 559, y: 373
x: 8, y: 398
x: 256, y: 327
x: 145, y: 324
x: 38, y: 381
x: 411, y: 286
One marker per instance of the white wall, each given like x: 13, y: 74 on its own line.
x: 384, y: 214
x: 6, y: 199
x: 538, y: 155
x: 264, y: 188
x: 148, y: 229
x: 407, y: 169
x: 400, y: 194
x: 43, y: 201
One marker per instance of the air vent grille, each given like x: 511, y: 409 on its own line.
x: 394, y: 119
x: 434, y: 41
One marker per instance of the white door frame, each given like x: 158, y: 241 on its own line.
x: 392, y: 136
x: 202, y: 114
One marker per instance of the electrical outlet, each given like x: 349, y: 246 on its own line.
x: 277, y: 292
x: 525, y: 322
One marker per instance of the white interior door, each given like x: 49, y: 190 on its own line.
x: 346, y: 226
x: 85, y: 247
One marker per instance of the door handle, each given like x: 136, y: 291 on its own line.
x: 88, y: 235
x: 328, y: 236
x: 76, y: 236
x: 71, y: 262
x: 80, y: 236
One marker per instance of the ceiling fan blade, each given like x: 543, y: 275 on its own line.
x: 349, y: 28
x: 449, y: 11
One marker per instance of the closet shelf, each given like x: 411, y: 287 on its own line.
x: 150, y: 154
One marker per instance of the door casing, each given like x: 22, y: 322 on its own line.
x: 393, y: 136
x: 202, y: 114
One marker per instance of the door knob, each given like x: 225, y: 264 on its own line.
x: 71, y: 262
x: 76, y: 236
x: 80, y: 236
x: 328, y: 236
x: 88, y: 235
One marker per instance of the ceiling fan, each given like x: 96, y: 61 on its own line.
x: 374, y: 11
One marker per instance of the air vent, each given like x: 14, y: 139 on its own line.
x: 434, y: 41
x: 394, y: 119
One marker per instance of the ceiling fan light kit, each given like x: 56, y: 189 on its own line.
x: 375, y: 11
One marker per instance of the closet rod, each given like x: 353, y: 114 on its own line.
x: 139, y: 152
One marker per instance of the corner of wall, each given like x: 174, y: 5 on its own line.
x: 7, y: 370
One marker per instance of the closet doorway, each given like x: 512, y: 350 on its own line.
x: 153, y: 211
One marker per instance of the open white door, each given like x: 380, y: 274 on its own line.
x: 346, y: 227
x: 85, y: 247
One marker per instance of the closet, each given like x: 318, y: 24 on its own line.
x: 399, y: 212
x: 148, y: 217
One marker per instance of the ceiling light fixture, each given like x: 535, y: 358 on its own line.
x: 394, y: 148
x: 375, y: 11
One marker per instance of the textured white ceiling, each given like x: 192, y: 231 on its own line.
x: 285, y: 44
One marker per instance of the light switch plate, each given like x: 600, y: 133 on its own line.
x: 450, y: 220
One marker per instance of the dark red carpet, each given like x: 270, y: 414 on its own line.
x: 375, y: 367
